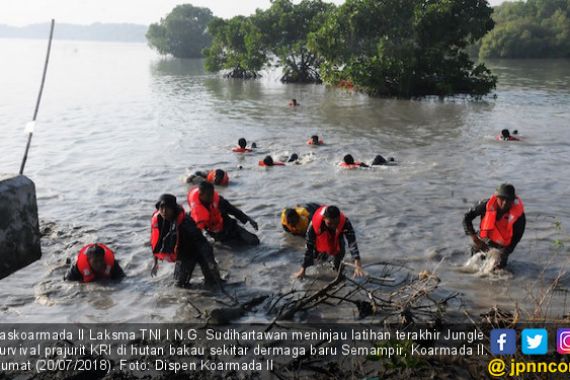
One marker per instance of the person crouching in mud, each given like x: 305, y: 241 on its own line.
x: 211, y: 213
x: 175, y: 238
x: 296, y: 220
x: 502, y: 224
x: 95, y: 262
x: 326, y: 237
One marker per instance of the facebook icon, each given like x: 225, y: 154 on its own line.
x: 503, y: 341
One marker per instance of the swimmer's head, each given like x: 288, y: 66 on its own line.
x: 219, y: 176
x: 96, y: 257
x: 268, y: 161
x: 291, y: 216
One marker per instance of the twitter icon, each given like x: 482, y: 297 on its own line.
x: 534, y: 341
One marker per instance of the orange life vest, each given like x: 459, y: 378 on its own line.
x: 326, y: 241
x: 275, y: 163
x: 500, y: 231
x: 510, y: 138
x: 310, y: 142
x: 155, y: 237
x: 208, y: 218
x: 350, y: 166
x: 212, y: 178
x: 85, y: 269
x: 239, y: 149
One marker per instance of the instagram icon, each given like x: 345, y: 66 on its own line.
x: 563, y: 341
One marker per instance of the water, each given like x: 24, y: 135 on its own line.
x: 118, y: 126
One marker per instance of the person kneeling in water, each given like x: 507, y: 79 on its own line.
x: 349, y: 163
x: 296, y: 220
x: 211, y: 213
x: 217, y: 177
x: 503, y: 222
x: 95, y: 262
x: 326, y: 235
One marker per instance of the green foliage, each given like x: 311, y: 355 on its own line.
x: 237, y: 46
x: 558, y: 243
x: 405, y: 48
x: 244, y: 45
x: 531, y: 29
x: 286, y: 27
x: 183, y: 33
x: 399, y: 48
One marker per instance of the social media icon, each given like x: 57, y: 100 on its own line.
x: 503, y: 341
x: 563, y: 341
x: 534, y: 341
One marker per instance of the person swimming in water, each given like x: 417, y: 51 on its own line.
x: 506, y: 135
x: 293, y: 103
x: 242, y: 146
x: 314, y: 140
x: 268, y: 161
x: 349, y: 163
x: 218, y: 177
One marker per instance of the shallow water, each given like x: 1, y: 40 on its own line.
x: 118, y: 126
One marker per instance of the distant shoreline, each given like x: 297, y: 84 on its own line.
x: 98, y: 32
x: 66, y: 39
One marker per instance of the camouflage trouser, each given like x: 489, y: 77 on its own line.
x: 203, y: 255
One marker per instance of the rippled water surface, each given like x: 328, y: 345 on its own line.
x: 118, y: 126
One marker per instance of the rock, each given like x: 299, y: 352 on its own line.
x: 19, y: 225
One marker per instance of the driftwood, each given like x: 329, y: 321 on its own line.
x: 226, y: 315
